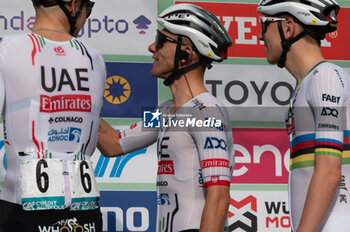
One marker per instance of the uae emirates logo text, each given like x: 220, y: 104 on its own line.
x: 60, y: 103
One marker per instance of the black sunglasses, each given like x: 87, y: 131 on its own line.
x: 161, y: 39
x: 90, y: 5
x: 264, y: 22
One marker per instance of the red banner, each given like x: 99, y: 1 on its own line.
x: 242, y: 23
x: 261, y: 155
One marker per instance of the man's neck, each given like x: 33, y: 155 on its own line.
x: 52, y: 28
x: 187, y: 87
x: 301, y: 59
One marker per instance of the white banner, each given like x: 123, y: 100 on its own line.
x: 114, y: 27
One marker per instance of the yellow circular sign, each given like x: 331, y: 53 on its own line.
x: 119, y: 84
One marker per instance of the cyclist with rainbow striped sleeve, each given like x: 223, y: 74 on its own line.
x: 318, y: 117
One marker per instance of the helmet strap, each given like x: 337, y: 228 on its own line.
x: 71, y: 19
x: 286, y: 44
x: 176, y: 73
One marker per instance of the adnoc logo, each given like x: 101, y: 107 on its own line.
x: 117, y: 90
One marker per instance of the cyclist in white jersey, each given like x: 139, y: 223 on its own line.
x: 318, y: 118
x: 194, y: 163
x: 51, y: 97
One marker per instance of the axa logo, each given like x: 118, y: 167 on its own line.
x: 113, y: 167
x: 326, y: 111
x: 59, y: 51
x: 238, y: 210
x: 215, y: 143
x: 142, y: 24
x: 117, y: 90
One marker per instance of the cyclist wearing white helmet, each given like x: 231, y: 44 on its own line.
x: 51, y: 95
x: 194, y: 164
x: 318, y: 120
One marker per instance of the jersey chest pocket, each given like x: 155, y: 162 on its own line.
x: 43, y: 185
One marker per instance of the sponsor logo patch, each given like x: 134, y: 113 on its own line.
x: 61, y: 103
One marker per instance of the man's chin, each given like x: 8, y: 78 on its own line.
x: 159, y: 75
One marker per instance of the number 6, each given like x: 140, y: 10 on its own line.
x: 42, y: 175
x: 84, y: 176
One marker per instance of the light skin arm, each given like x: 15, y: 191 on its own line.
x: 323, y: 185
x: 215, y: 210
x: 108, y: 140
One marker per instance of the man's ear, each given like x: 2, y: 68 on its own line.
x: 186, y: 55
x: 183, y: 56
x: 290, y: 28
x: 72, y: 7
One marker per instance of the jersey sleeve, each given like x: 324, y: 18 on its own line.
x: 135, y: 138
x: 215, y: 146
x: 327, y: 95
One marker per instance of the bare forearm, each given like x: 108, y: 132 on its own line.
x: 215, y: 212
x: 320, y: 195
x: 108, y: 140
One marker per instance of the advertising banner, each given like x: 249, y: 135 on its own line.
x: 242, y: 23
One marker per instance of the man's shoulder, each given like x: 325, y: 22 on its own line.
x: 12, y: 40
x: 10, y: 37
x: 206, y: 100
x: 329, y: 71
x: 87, y: 46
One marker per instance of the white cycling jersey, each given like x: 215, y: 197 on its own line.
x: 190, y: 159
x: 52, y: 94
x: 318, y: 123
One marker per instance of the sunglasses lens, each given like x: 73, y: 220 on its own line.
x: 263, y: 26
x: 89, y: 9
x: 160, y: 39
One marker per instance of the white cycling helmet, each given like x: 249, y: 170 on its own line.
x: 203, y: 28
x: 317, y: 17
x: 314, y: 13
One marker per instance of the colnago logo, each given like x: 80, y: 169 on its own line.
x: 166, y: 167
x: 66, y: 119
x: 209, y: 163
x: 60, y: 103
